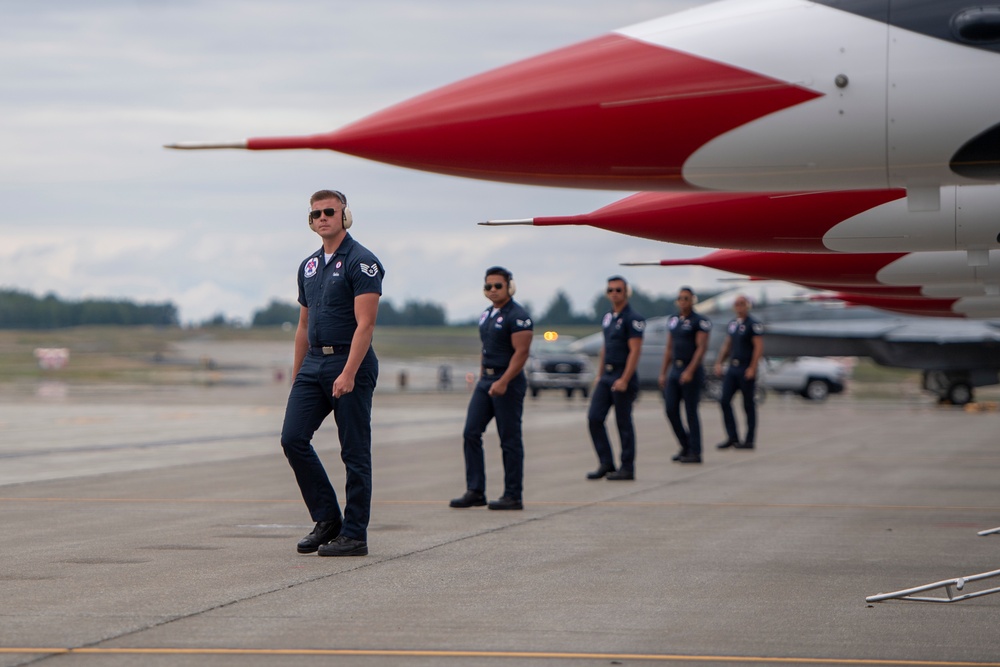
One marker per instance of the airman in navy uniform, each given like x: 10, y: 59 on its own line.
x: 744, y: 347
x: 682, y: 376
x: 335, y: 370
x: 618, y: 383
x: 505, y: 330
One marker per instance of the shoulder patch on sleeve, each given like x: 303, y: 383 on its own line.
x: 369, y: 269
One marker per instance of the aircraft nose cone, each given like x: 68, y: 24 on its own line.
x: 789, y: 222
x: 612, y: 112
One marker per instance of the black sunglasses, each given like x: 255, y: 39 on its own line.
x: 488, y: 286
x: 328, y: 212
x: 615, y: 289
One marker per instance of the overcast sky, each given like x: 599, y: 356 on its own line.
x: 93, y: 206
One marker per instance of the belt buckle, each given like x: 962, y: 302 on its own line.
x: 735, y: 362
x: 608, y: 368
x: 678, y: 363
x: 489, y: 371
x: 327, y: 349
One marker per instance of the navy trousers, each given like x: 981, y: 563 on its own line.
x: 507, y: 410
x: 735, y: 379
x: 309, y: 403
x: 673, y: 393
x: 600, y: 404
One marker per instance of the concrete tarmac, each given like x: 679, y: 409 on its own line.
x: 158, y: 527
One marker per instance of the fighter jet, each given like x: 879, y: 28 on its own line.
x: 955, y: 356
x: 926, y: 283
x: 858, y: 221
x: 737, y: 95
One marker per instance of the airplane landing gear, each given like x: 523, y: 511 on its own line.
x: 950, y: 387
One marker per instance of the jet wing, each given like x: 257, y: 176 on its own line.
x: 919, y: 343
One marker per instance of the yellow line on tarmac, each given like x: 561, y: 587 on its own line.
x: 389, y: 653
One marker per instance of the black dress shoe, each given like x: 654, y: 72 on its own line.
x: 743, y: 445
x: 321, y: 534
x: 679, y: 455
x: 506, y: 503
x: 344, y: 546
x: 470, y: 499
x: 727, y: 444
x: 601, y: 471
x: 690, y: 458
x: 621, y: 475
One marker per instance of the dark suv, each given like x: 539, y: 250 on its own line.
x: 552, y: 366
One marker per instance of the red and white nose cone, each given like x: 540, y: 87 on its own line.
x: 832, y: 269
x: 611, y: 113
x: 784, y: 221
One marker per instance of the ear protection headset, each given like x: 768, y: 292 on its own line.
x: 345, y: 213
x: 508, y: 276
x: 628, y: 285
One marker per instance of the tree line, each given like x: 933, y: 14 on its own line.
x: 21, y: 310
x: 412, y: 313
x: 560, y: 311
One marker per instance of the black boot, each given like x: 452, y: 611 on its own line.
x: 601, y: 471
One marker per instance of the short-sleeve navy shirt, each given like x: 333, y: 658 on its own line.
x: 684, y: 332
x: 496, y: 330
x: 618, y: 329
x: 741, y: 335
x: 328, y: 290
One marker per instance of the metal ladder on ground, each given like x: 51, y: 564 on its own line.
x: 950, y: 586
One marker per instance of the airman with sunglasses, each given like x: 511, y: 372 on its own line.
x: 682, y: 375
x: 505, y: 329
x: 335, y: 370
x: 618, y: 384
x: 745, y: 343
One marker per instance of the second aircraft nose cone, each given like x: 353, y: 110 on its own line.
x: 789, y: 221
x: 612, y: 112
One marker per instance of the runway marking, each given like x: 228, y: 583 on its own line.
x: 154, y: 444
x: 543, y: 503
x: 152, y: 500
x: 397, y: 653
